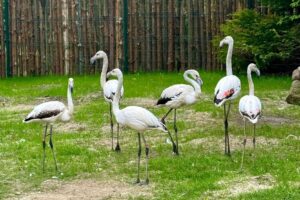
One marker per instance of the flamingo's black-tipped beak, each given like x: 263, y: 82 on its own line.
x: 199, y: 81
x: 92, y: 60
x: 221, y: 43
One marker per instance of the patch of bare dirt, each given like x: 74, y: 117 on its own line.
x: 71, y: 127
x: 242, y: 185
x: 19, y: 107
x: 201, y: 118
x: 87, y: 190
x: 236, y: 142
x: 143, y: 102
x: 275, y: 120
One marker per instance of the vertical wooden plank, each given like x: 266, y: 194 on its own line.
x: 2, y: 72
x: 65, y: 30
x: 30, y: 39
x: 13, y: 35
x: 130, y: 37
x: 202, y: 35
x: 111, y: 8
x: 159, y: 35
x: 71, y: 37
x: 195, y: 50
x: 60, y: 39
x: 84, y: 35
x: 142, y: 34
x: 209, y: 35
x: 153, y: 37
x: 90, y: 30
x: 22, y: 40
x: 190, y: 33
x: 118, y: 55
x: 134, y: 37
x: 165, y: 33
x: 213, y: 33
x: 148, y: 35
x: 171, y: 35
x: 182, y: 35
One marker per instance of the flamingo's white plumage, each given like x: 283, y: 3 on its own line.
x: 227, y: 89
x: 109, y: 90
x: 137, y: 118
x: 52, y: 111
x: 179, y: 95
x: 250, y: 106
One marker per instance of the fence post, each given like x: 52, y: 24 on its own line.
x: 7, y: 37
x: 125, y: 34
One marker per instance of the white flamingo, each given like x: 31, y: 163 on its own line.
x: 109, y: 90
x: 250, y: 106
x: 48, y: 113
x: 136, y: 118
x: 179, y: 95
x: 227, y: 89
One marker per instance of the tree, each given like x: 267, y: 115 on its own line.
x: 268, y: 40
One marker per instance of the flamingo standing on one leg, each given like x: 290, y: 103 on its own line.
x: 227, y: 89
x: 179, y: 95
x: 250, y: 106
x: 48, y: 113
x: 109, y: 90
x: 137, y: 118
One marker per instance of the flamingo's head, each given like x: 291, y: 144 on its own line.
x: 226, y: 40
x: 195, y: 75
x: 115, y: 72
x: 71, y: 84
x: 253, y: 68
x: 100, y: 54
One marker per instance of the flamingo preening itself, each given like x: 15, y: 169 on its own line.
x: 179, y: 95
x: 109, y: 90
x: 50, y: 112
x: 227, y: 89
x: 136, y: 118
x: 250, y: 106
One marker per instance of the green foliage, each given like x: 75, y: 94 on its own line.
x: 260, y: 39
x: 264, y: 39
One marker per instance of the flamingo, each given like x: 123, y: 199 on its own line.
x: 179, y: 95
x: 50, y: 112
x: 250, y: 106
x: 109, y: 89
x: 139, y: 119
x: 227, y: 89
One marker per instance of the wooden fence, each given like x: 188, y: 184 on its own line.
x: 60, y: 36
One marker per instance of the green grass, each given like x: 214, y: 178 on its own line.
x: 84, y: 153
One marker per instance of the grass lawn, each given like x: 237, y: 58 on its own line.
x: 89, y: 169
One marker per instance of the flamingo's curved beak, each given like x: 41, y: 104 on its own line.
x: 221, y: 43
x: 199, y: 81
x: 92, y: 60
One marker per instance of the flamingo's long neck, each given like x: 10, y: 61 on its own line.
x: 104, y: 71
x: 70, y: 101
x: 117, y: 96
x: 250, y: 81
x: 195, y: 85
x: 229, y: 59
